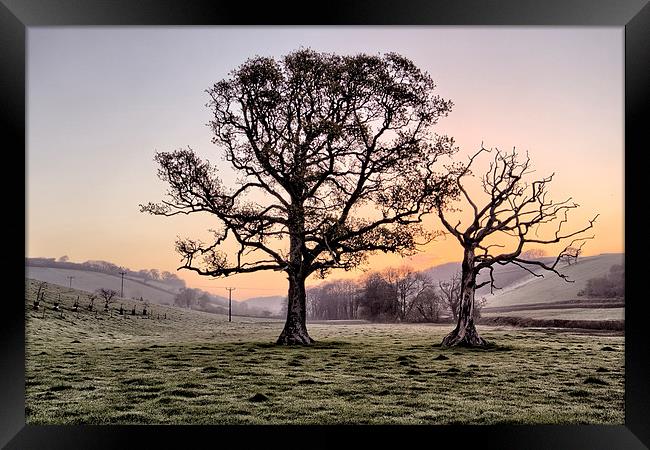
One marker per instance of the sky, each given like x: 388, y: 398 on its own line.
x: 102, y: 100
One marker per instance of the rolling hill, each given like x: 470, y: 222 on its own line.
x: 552, y: 288
x: 91, y: 281
x: 272, y: 303
x: 504, y: 276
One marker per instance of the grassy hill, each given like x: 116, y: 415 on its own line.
x: 503, y: 275
x: 89, y: 281
x: 197, y: 368
x: 552, y: 288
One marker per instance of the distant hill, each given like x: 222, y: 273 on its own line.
x: 552, y: 288
x: 272, y: 303
x: 89, y: 281
x: 152, y: 291
x: 504, y: 276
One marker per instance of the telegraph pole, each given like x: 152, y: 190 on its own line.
x: 230, y: 303
x: 122, y: 290
x: 70, y: 278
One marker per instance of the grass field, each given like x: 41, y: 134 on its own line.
x: 196, y: 368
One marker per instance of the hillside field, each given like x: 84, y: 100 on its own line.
x: 552, y: 288
x: 197, y: 368
x: 91, y: 281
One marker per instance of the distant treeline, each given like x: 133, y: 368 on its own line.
x: 168, y: 278
x: 394, y: 295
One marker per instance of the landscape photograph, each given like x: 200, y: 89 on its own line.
x: 324, y: 226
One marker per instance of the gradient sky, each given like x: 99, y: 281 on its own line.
x: 102, y: 100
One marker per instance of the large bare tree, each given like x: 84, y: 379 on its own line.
x: 516, y: 213
x: 336, y: 161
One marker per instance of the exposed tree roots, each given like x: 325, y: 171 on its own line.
x: 294, y: 337
x: 465, y: 337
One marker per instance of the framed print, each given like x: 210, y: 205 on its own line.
x: 370, y: 220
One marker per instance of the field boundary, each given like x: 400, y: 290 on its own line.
x: 524, y: 322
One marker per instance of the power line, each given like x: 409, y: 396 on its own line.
x: 230, y: 289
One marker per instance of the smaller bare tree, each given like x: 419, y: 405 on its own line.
x: 450, y: 293
x: 429, y: 305
x: 516, y: 214
x: 108, y: 296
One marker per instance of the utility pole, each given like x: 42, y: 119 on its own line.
x: 70, y: 278
x: 230, y: 303
x: 122, y: 290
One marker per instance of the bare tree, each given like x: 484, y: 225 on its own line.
x: 336, y: 161
x: 108, y: 296
x: 450, y: 292
x: 428, y: 304
x: 407, y: 283
x: 516, y: 213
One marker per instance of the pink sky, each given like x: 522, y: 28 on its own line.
x: 101, y: 101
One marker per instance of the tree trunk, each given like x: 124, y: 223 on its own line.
x: 465, y: 333
x: 295, y: 328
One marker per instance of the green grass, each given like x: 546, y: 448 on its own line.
x: 196, y: 368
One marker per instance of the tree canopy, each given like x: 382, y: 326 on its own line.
x: 336, y: 161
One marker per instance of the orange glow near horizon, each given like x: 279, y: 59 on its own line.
x: 102, y: 101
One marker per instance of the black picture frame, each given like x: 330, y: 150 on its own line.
x: 633, y: 15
